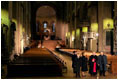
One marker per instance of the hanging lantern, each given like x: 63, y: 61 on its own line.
x: 78, y: 32
x: 94, y: 27
x: 84, y: 29
x: 108, y: 23
x: 73, y: 35
x: 5, y: 17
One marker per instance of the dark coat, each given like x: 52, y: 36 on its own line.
x: 91, y: 64
x: 100, y: 62
x: 77, y: 65
x: 84, y: 63
x: 74, y: 60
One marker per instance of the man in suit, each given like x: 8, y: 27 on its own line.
x: 102, y: 62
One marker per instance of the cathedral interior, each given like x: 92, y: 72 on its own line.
x: 38, y: 38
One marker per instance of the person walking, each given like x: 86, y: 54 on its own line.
x: 84, y: 67
x: 93, y: 64
x: 78, y: 65
x: 74, y: 56
x: 102, y: 62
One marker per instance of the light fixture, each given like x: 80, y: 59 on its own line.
x: 94, y: 27
x: 108, y: 23
x: 73, y: 38
x: 97, y: 34
x: 84, y: 29
x: 78, y: 32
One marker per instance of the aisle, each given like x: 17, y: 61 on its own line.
x: 68, y: 61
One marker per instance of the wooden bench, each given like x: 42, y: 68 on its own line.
x: 36, y: 62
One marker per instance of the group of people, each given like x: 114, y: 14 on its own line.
x: 80, y: 62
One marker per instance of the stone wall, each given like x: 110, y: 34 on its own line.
x: 19, y: 13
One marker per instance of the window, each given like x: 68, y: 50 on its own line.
x: 45, y: 25
x: 53, y: 27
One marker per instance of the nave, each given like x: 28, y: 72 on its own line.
x: 39, y: 63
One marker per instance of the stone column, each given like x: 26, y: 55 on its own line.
x: 92, y: 12
x: 115, y: 27
x: 93, y: 42
x: 75, y: 44
x: 10, y: 10
x: 104, y: 11
x: 100, y: 24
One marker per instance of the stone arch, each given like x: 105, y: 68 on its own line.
x: 35, y: 5
x: 46, y: 14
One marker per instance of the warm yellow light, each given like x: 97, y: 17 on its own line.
x: 66, y: 34
x: 78, y: 32
x: 73, y: 38
x: 84, y: 29
x: 94, y: 27
x: 23, y: 29
x: 5, y: 17
x: 108, y: 23
x: 73, y: 33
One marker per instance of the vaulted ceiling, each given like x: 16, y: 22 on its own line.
x: 45, y: 11
x: 59, y: 7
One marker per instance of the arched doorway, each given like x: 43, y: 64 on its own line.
x: 45, y: 22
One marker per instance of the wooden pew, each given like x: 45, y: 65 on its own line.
x: 36, y: 62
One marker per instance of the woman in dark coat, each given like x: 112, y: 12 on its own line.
x: 93, y: 64
x: 102, y: 62
x: 84, y: 64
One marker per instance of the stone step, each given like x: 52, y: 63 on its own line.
x: 50, y: 44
